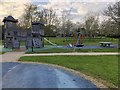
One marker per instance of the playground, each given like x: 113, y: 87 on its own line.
x: 62, y: 45
x: 35, y: 40
x: 90, y: 45
x: 41, y: 49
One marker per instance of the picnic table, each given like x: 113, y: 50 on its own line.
x: 104, y: 44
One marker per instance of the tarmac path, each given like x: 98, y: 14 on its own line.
x: 24, y: 75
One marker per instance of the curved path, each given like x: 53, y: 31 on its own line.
x: 24, y: 75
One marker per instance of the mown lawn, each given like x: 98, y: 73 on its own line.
x: 103, y: 67
x: 0, y: 42
x: 1, y: 52
x: 86, y: 41
x: 66, y: 41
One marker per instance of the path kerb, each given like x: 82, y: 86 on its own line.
x: 81, y: 54
x: 14, y: 56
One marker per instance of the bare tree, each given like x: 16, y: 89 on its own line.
x: 68, y: 26
x: 108, y: 28
x: 29, y: 15
x: 64, y: 21
x: 50, y: 16
x: 113, y: 11
x: 92, y: 25
x: 58, y: 25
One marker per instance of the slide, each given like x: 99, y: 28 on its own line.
x: 50, y: 42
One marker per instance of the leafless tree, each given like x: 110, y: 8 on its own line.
x: 50, y: 16
x: 92, y: 25
x: 113, y: 11
x: 108, y: 27
x: 29, y: 15
x: 64, y: 21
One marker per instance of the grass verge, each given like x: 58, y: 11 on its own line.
x: 2, y: 52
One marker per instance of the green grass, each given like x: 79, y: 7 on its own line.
x: 58, y: 50
x: 87, y: 41
x: 103, y: 67
x: 95, y: 41
x: 1, y: 53
x: 0, y: 42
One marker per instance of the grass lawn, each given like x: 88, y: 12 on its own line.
x: 100, y: 67
x: 87, y: 41
x: 1, y: 52
x: 0, y: 42
x: 58, y: 50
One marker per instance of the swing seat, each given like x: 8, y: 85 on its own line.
x: 80, y: 45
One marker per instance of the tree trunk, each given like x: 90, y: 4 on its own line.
x: 119, y: 24
x: 119, y: 35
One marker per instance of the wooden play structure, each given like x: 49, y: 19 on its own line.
x: 13, y: 36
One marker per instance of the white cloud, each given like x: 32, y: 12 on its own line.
x: 12, y: 7
x: 78, y: 9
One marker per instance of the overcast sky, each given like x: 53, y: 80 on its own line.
x: 78, y: 8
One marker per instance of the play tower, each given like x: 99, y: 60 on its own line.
x: 14, y: 35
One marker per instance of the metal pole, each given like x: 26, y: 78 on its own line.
x: 32, y: 45
x: 79, y: 39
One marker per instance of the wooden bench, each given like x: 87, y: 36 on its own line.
x: 105, y: 44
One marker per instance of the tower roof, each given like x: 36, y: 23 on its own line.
x: 10, y: 18
x: 37, y: 23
